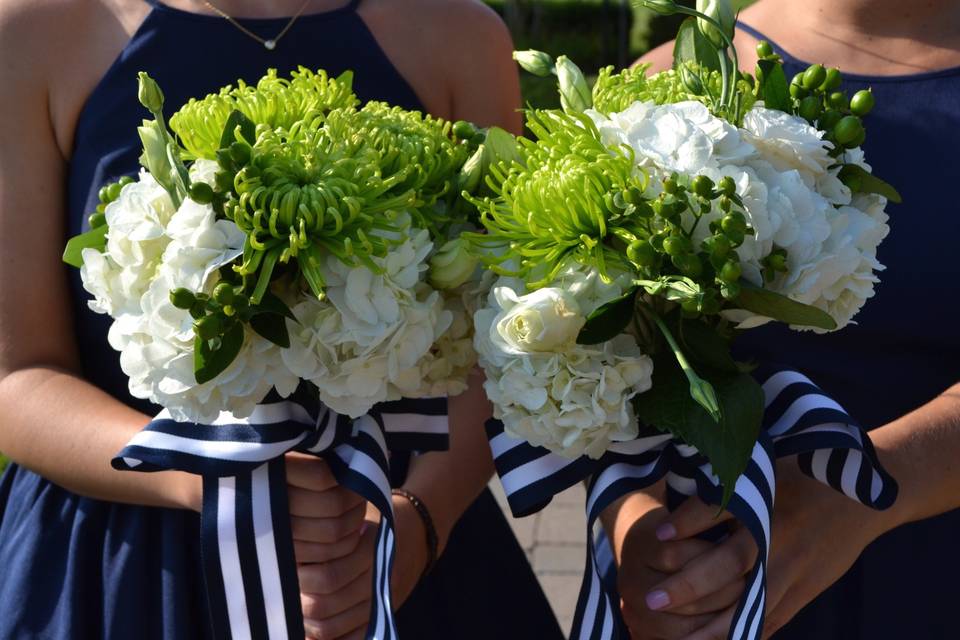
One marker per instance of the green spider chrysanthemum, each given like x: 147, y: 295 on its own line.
x: 274, y: 102
x: 615, y: 91
x: 571, y: 198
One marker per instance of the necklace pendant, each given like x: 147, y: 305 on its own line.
x: 269, y: 45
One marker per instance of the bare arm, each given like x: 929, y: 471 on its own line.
x: 51, y: 421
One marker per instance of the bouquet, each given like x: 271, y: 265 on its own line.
x: 283, y: 236
x: 646, y: 224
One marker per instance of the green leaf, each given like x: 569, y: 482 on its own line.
x: 870, y: 183
x: 208, y: 363
x: 692, y: 46
x: 707, y: 347
x: 773, y: 88
x: 93, y: 239
x: 727, y: 444
x: 273, y: 327
x: 273, y: 305
x: 501, y: 146
x: 779, y: 307
x: 608, y: 321
x: 248, y: 130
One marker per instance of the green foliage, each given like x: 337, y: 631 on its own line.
x: 779, y: 307
x: 609, y: 320
x: 93, y: 239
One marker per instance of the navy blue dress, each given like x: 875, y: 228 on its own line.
x: 903, y: 352
x: 78, y: 568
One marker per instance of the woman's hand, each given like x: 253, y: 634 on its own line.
x: 644, y: 561
x: 810, y: 521
x: 334, y: 549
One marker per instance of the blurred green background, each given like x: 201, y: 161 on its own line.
x: 592, y: 33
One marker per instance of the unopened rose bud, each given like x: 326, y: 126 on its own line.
x: 536, y: 62
x: 575, y: 94
x: 452, y: 265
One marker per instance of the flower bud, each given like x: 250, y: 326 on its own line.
x: 677, y: 245
x: 463, y: 130
x: 575, y: 94
x: 691, y: 80
x: 536, y: 62
x: 730, y: 272
x: 838, y: 100
x: 149, y: 93
x: 155, y: 158
x: 727, y: 186
x: 722, y: 12
x: 472, y: 171
x: 452, y: 265
x: 663, y: 7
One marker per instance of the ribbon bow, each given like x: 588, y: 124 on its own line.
x: 798, y: 420
x: 246, y: 542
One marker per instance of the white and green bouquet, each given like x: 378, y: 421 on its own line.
x: 652, y: 219
x: 279, y: 233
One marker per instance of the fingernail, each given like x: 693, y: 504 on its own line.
x: 657, y: 600
x: 666, y: 531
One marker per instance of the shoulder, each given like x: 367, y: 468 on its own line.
x: 456, y: 25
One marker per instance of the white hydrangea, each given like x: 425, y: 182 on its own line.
x: 792, y: 197
x: 573, y: 399
x: 367, y: 341
x: 157, y: 346
x: 118, y: 277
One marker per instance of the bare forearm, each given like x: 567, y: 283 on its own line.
x: 448, y: 482
x: 922, y: 452
x: 67, y: 431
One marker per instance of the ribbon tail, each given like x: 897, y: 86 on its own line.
x: 361, y: 465
x: 246, y: 544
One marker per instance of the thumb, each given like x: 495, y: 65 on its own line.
x: 692, y: 517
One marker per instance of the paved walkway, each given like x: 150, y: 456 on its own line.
x: 555, y: 540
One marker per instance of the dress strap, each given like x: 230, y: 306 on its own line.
x: 353, y: 5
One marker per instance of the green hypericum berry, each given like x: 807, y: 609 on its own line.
x: 223, y: 293
x: 125, y: 180
x: 670, y: 186
x: 688, y: 264
x: 240, y: 152
x: 727, y: 186
x: 858, y: 141
x: 463, y: 130
x: 677, y: 246
x: 797, y: 89
x: 201, y: 193
x: 198, y: 310
x: 656, y: 240
x: 838, y: 100
x: 718, y: 246
x: 730, y: 272
x: 764, y: 50
x: 702, y: 186
x: 182, y: 298
x: 113, y: 191
x: 829, y: 120
x: 734, y: 221
x: 97, y: 220
x: 814, y: 76
x: 847, y: 130
x: 735, y: 236
x: 691, y: 306
x: 209, y: 327
x: 810, y: 108
x: 641, y: 253
x: 832, y: 80
x: 726, y: 204
x: 862, y: 102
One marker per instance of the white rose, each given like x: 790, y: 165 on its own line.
x: 546, y: 320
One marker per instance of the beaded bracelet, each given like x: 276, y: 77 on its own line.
x: 424, y: 513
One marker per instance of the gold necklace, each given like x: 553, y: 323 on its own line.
x: 268, y: 44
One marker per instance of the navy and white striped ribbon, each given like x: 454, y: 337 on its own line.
x: 247, y: 546
x: 799, y: 420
